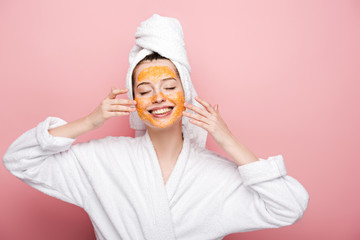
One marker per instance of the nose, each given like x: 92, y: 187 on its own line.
x: 158, y: 98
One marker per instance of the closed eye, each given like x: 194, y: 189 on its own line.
x: 143, y: 93
x: 170, y: 88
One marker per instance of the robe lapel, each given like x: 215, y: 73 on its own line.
x: 161, y: 194
x: 177, y: 173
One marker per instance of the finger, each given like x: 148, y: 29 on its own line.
x: 216, y: 107
x: 196, y: 109
x: 115, y: 114
x: 197, y: 117
x: 117, y: 101
x: 116, y: 91
x: 200, y: 124
x: 206, y: 105
x: 121, y: 108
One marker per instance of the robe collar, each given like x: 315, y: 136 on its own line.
x: 163, y: 195
x: 178, y: 170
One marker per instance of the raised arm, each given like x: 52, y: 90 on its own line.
x: 108, y: 108
x: 44, y: 157
x: 259, y: 194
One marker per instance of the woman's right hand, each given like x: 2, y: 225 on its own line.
x: 111, y: 107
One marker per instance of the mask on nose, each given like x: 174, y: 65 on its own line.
x: 164, y: 117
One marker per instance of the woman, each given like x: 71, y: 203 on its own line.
x: 164, y: 183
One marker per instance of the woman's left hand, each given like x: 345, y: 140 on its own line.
x: 209, y: 119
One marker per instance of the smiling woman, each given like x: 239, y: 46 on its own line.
x: 158, y: 92
x: 164, y: 183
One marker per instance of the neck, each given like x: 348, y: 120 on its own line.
x: 167, y: 142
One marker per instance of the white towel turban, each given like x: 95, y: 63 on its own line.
x: 165, y: 36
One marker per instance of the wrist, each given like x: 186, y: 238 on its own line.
x: 228, y: 142
x: 89, y: 123
x: 238, y: 152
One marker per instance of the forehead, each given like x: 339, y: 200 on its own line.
x: 153, y: 63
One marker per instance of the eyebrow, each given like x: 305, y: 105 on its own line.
x: 165, y: 79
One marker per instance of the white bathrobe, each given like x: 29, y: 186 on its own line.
x: 118, y: 182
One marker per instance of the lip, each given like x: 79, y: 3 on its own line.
x: 162, y: 115
x: 157, y: 108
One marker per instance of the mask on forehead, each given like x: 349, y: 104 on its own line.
x: 160, y: 103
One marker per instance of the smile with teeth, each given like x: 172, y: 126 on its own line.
x: 161, y: 111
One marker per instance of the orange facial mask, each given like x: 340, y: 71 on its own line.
x: 154, y: 74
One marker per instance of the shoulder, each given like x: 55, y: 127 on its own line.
x: 107, y: 143
x: 210, y: 170
x: 214, y: 160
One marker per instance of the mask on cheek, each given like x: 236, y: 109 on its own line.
x: 177, y: 99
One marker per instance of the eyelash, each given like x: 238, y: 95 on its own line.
x: 143, y: 93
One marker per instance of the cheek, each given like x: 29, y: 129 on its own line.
x: 142, y: 103
x: 177, y: 98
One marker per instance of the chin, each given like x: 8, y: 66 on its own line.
x: 164, y: 125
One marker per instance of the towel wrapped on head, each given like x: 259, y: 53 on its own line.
x: 165, y: 36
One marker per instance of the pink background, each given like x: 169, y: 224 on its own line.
x: 285, y: 74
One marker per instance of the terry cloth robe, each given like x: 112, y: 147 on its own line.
x: 118, y: 182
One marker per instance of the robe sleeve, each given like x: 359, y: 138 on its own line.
x: 50, y: 164
x: 261, y: 195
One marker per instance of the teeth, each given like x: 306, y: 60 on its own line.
x: 161, y: 111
